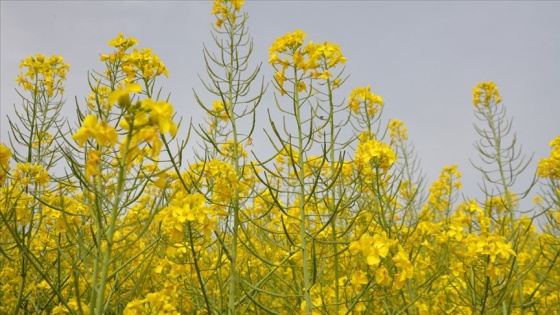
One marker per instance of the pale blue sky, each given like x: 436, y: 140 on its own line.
x: 422, y: 57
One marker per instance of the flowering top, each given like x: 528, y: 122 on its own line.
x: 43, y: 72
x: 485, y: 93
x: 289, y: 41
x: 224, y: 10
x: 313, y: 59
x: 550, y: 167
x: 123, y: 43
x: 325, y: 55
x: 372, y: 102
x: 5, y: 155
x: 101, y: 131
x: 137, y: 64
x: 329, y: 51
x: 371, y: 150
x: 397, y: 130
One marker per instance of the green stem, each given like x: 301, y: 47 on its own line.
x: 110, y: 232
x: 235, y: 159
x: 301, y: 180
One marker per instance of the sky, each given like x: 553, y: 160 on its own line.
x: 422, y: 57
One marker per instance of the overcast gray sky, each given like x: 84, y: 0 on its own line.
x: 423, y: 57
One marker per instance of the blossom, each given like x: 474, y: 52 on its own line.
x: 5, y: 155
x: 145, y: 63
x: 123, y: 43
x: 122, y: 97
x: 441, y: 190
x: 374, y: 248
x: 377, y: 152
x: 326, y: 54
x: 486, y: 93
x: 382, y: 276
x: 86, y: 131
x: 101, y: 131
x: 161, y: 113
x: 550, y: 167
x: 397, y: 130
x: 363, y: 95
x: 92, y: 163
x: 224, y: 12
x: 43, y: 74
x: 289, y: 41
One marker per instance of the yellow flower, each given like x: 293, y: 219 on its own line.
x: 301, y: 86
x: 91, y: 128
x: 138, y: 120
x: 374, y: 248
x: 92, y: 163
x: 106, y: 134
x: 328, y: 55
x: 161, y: 113
x: 289, y: 41
x: 123, y: 43
x: 382, y: 276
x: 5, y: 155
x: 59, y: 309
x: 359, y: 278
x: 381, y: 154
x: 485, y: 93
x: 224, y: 12
x: 404, y: 266
x: 48, y: 73
x: 237, y: 4
x: 220, y: 110
x: 550, y: 167
x: 88, y: 130
x: 122, y: 95
x: 441, y: 190
x: 397, y: 130
x: 363, y: 95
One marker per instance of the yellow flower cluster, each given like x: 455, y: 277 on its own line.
x: 27, y: 173
x: 122, y: 44
x: 376, y: 152
x: 397, y: 130
x: 374, y: 248
x: 5, y: 155
x: 137, y: 64
x: 501, y: 204
x: 440, y: 197
x: 227, y: 150
x: 147, y: 113
x: 224, y: 10
x: 315, y: 59
x: 219, y: 110
x: 161, y: 302
x: 550, y: 167
x: 290, y: 42
x: 75, y: 305
x: 378, y: 247
x: 43, y: 73
x: 143, y: 64
x: 486, y: 93
x: 322, y: 56
x: 91, y: 128
x: 99, y: 95
x: 184, y: 207
x: 363, y: 95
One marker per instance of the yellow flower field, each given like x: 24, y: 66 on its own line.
x: 102, y: 213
